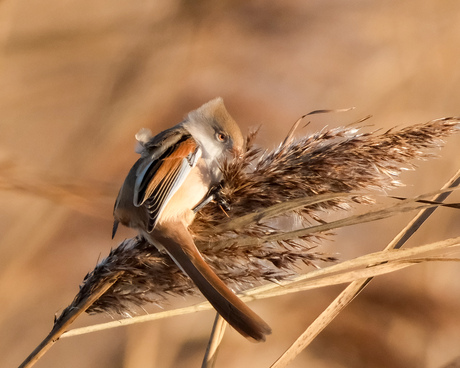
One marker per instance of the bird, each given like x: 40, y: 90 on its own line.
x: 177, y: 174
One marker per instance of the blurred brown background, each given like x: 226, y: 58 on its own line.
x: 79, y: 78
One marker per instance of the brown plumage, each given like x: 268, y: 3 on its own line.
x: 176, y: 170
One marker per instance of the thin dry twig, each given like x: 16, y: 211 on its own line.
x: 352, y: 291
x: 66, y: 319
x: 217, y: 334
x: 344, y: 272
x: 89, y: 198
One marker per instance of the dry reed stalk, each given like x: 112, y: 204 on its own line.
x: 80, y: 305
x: 352, y: 290
x: 217, y: 334
x: 274, y: 196
x: 374, y: 264
x: 85, y: 197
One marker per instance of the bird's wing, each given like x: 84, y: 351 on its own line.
x: 162, y: 173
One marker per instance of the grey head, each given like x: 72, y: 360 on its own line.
x: 214, y: 129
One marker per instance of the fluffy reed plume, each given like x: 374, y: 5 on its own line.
x: 267, y: 192
x: 270, y: 195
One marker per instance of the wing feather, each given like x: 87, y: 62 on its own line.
x: 160, y: 178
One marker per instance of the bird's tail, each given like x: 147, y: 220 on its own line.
x: 179, y: 244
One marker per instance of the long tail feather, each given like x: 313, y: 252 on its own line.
x: 179, y: 244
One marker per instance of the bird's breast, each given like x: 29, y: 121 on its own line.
x: 188, y: 196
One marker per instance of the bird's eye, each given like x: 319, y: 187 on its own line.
x: 221, y: 137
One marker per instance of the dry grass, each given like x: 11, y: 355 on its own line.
x: 79, y: 80
x: 255, y: 241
